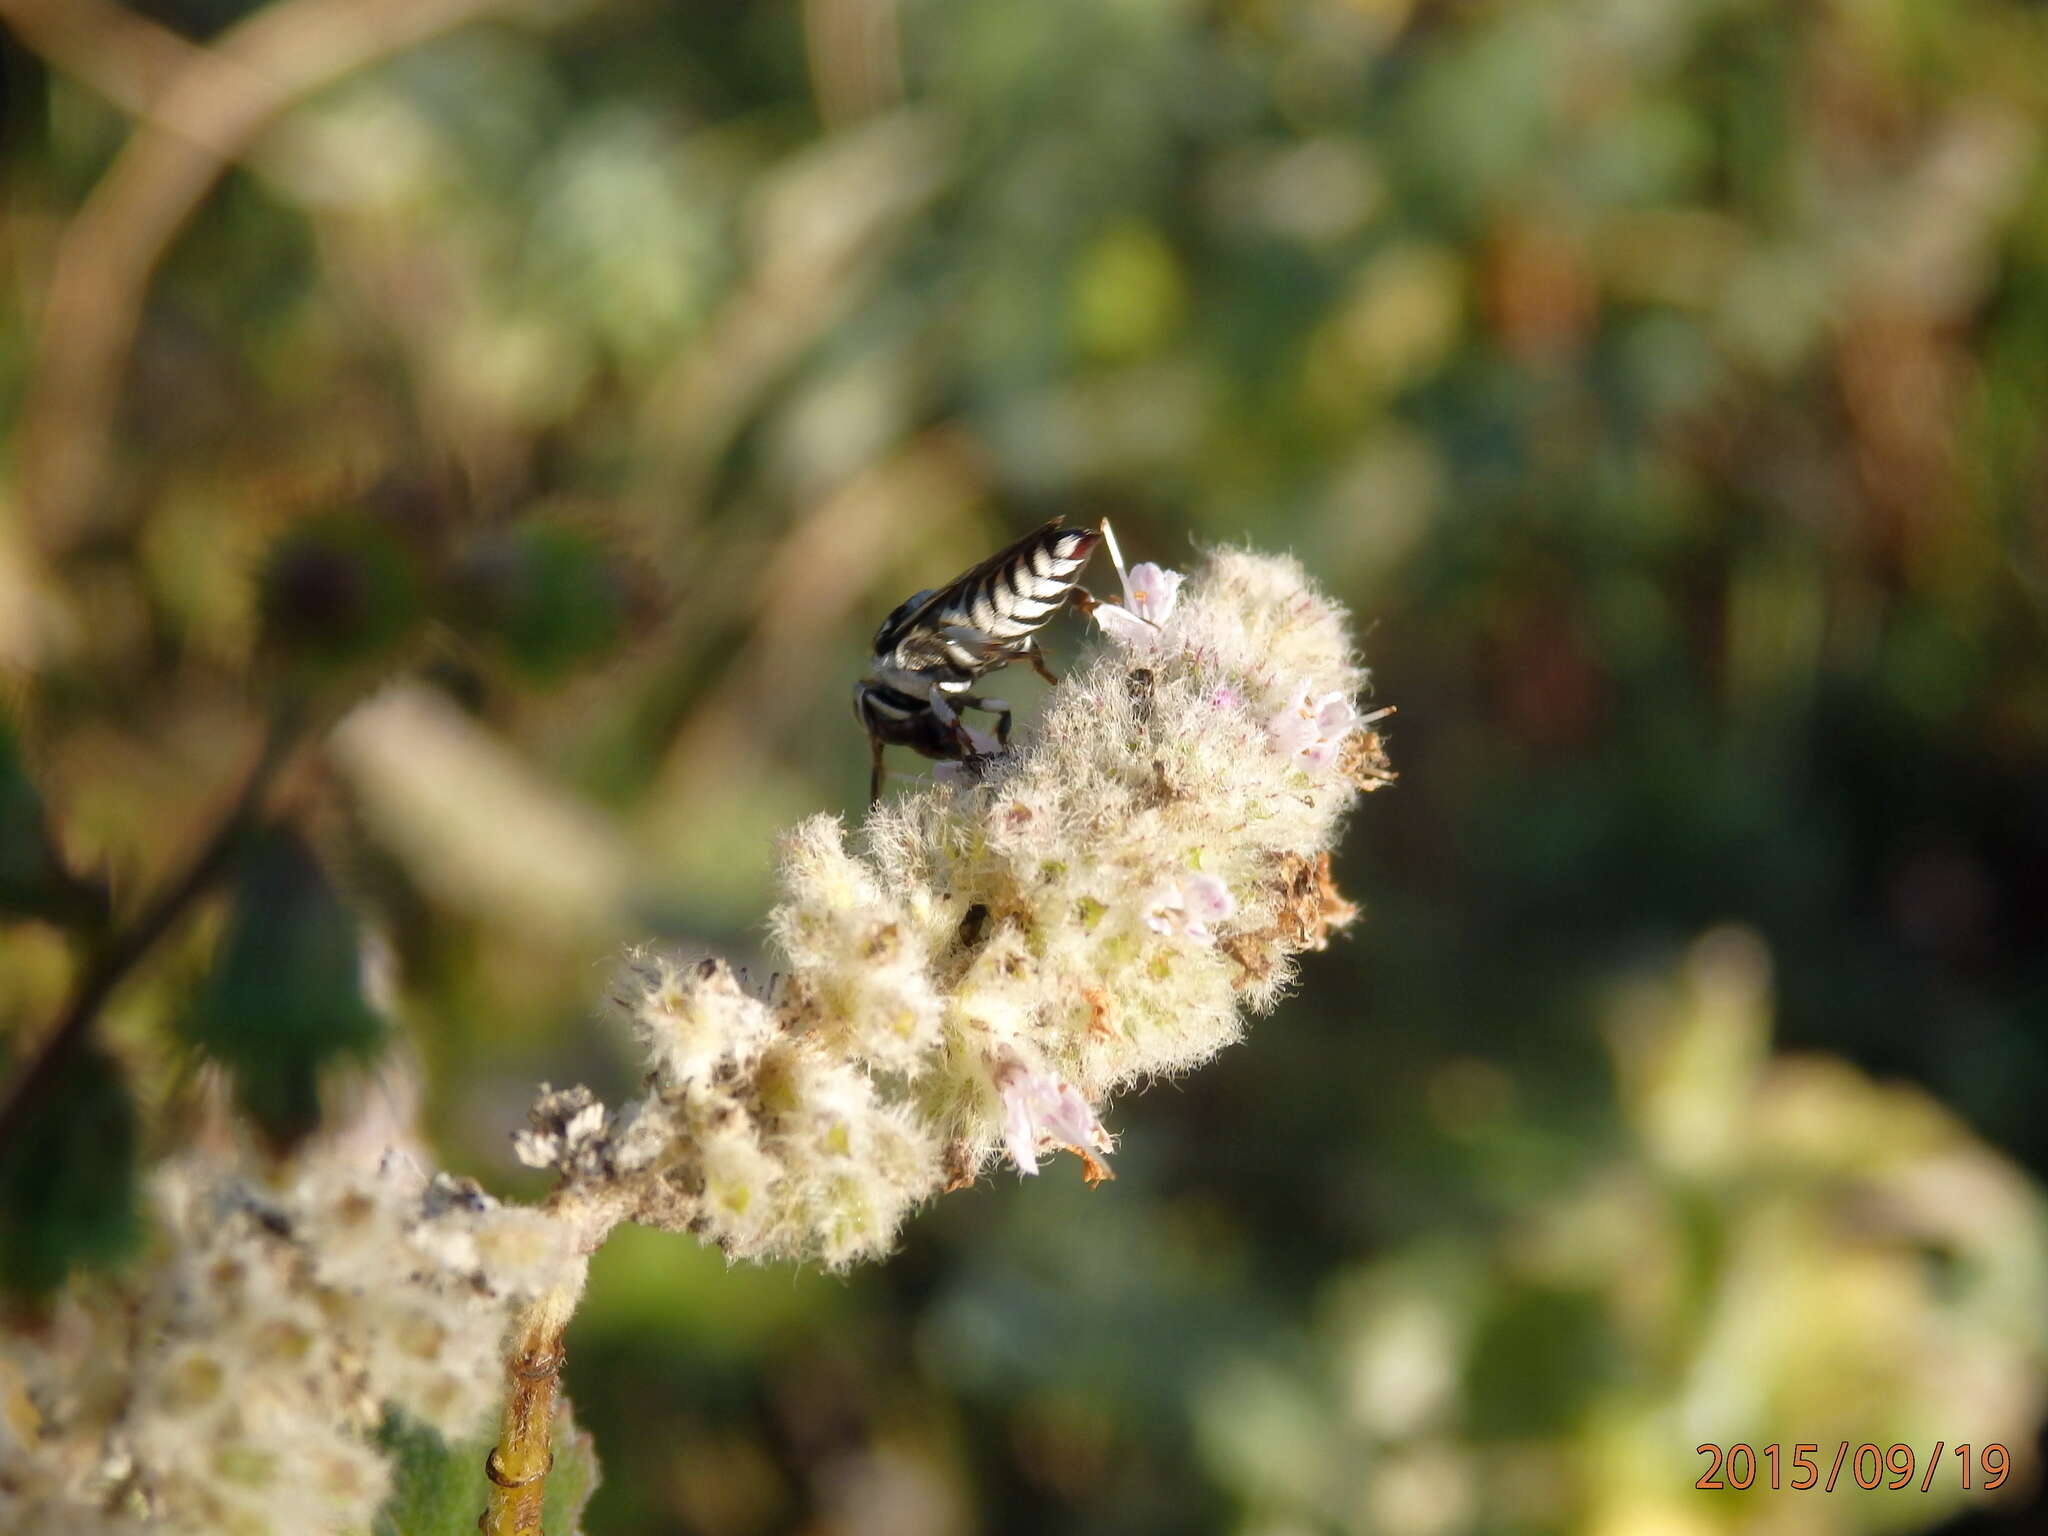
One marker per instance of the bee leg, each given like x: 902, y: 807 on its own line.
x: 1038, y: 665
x: 874, y: 770
x: 1001, y: 711
x: 949, y: 717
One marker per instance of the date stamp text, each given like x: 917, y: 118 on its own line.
x: 1801, y: 1466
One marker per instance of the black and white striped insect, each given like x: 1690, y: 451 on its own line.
x: 930, y: 652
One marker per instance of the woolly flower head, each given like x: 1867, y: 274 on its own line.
x: 973, y: 975
x: 235, y: 1385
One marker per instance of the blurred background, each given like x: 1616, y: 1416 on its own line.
x: 456, y: 454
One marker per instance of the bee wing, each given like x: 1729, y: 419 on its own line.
x: 937, y: 598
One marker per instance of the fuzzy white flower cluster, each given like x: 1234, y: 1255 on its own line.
x: 1003, y: 950
x: 234, y: 1386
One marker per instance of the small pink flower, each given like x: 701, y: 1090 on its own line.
x: 1039, y: 1107
x: 1150, y: 596
x: 1153, y: 592
x: 1190, y: 907
x: 1226, y: 697
x: 1312, y: 728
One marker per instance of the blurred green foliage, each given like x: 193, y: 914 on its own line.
x: 1661, y: 384
x: 68, y: 1195
x: 34, y: 882
x: 284, y: 1001
x: 1778, y: 1243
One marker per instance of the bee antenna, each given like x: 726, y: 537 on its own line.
x: 1123, y: 575
x: 1116, y: 555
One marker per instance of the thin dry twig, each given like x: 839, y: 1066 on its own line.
x: 125, y: 57
x: 214, y: 106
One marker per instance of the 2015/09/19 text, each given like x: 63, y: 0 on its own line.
x: 1741, y: 1466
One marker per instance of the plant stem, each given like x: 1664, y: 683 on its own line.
x: 518, y: 1465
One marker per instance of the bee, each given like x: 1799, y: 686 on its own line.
x: 939, y: 642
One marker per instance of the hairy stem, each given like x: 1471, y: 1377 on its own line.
x: 518, y: 1465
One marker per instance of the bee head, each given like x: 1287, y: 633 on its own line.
x: 1080, y: 544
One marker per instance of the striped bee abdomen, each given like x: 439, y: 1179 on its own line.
x: 987, y: 616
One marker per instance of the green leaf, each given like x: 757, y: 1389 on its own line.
x: 573, y: 1478
x: 68, y: 1178
x: 439, y: 1488
x: 285, y: 997
x: 436, y: 1487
